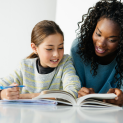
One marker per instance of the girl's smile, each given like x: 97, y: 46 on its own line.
x: 55, y: 61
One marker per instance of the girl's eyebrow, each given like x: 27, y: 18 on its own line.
x: 109, y: 36
x: 53, y: 45
x: 61, y: 44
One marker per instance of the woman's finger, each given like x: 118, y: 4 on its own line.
x: 91, y: 90
x: 85, y: 90
x: 112, y: 90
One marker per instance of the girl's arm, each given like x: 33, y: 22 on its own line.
x: 71, y: 82
x: 28, y: 96
x: 15, y: 77
x: 10, y: 93
x: 0, y: 94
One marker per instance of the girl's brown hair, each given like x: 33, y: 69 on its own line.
x: 42, y: 30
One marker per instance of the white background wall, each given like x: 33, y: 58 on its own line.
x: 68, y: 14
x: 18, y: 17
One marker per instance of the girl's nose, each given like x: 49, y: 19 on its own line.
x: 55, y: 53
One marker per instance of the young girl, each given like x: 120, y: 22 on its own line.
x: 46, y: 68
x: 98, y: 51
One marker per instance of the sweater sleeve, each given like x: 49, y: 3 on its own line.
x: 16, y: 77
x: 71, y: 82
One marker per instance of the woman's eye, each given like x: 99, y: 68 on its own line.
x: 98, y: 34
x: 112, y: 40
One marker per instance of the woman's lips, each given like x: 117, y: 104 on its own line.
x: 99, y: 50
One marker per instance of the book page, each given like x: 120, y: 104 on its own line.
x: 96, y: 96
x: 57, y: 91
x: 58, y: 94
x: 96, y: 103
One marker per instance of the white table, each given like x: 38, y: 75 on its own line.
x: 10, y: 113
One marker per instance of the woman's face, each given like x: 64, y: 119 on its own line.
x: 106, y: 37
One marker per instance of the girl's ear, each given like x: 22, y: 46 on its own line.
x: 34, y: 48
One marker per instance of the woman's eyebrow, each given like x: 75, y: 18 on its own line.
x: 99, y: 30
x: 113, y: 36
x: 109, y: 36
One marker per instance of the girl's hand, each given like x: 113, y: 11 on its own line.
x: 119, y: 99
x: 10, y: 93
x: 84, y: 91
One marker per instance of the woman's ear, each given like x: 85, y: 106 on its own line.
x: 34, y: 48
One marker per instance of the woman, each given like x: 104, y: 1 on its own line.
x: 98, y: 51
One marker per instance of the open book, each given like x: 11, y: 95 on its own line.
x: 90, y: 100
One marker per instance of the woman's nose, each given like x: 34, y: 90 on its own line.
x: 101, y: 43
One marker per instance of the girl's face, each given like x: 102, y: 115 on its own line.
x: 51, y: 50
x: 105, y: 38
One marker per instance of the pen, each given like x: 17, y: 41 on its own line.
x: 5, y: 87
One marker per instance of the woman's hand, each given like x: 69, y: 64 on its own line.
x: 84, y: 91
x: 119, y: 99
x: 10, y: 93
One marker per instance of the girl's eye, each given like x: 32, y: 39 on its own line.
x: 98, y: 34
x: 52, y: 49
x: 48, y: 49
x: 61, y: 48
